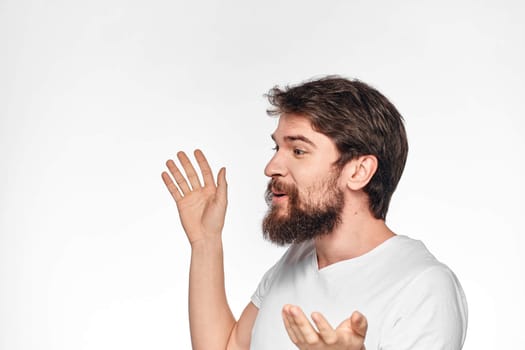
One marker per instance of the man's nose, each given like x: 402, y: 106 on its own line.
x: 275, y: 166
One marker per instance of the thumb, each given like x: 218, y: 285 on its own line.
x: 222, y: 186
x: 359, y: 324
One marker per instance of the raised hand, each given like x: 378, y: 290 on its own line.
x: 349, y: 335
x: 202, y: 209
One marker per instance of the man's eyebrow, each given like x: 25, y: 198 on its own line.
x: 292, y: 138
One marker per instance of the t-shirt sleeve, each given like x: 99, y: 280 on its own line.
x: 432, y: 314
x: 268, y: 278
x: 264, y: 285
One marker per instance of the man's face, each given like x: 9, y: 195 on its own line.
x: 304, y: 195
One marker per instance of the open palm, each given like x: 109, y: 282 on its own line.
x: 202, y: 209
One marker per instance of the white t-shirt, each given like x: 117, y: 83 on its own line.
x: 411, y: 300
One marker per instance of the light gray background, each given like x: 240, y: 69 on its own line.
x: 96, y: 95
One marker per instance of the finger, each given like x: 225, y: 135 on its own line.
x: 302, y: 326
x: 294, y: 329
x: 174, y: 190
x: 206, y: 172
x: 359, y: 323
x: 222, y: 186
x: 325, y: 329
x: 288, y: 327
x: 189, y: 170
x: 177, y: 175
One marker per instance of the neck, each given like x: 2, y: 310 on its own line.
x: 357, y: 234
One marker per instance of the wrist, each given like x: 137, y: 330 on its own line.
x: 207, y: 242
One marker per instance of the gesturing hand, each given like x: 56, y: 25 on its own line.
x: 349, y: 335
x: 201, y: 208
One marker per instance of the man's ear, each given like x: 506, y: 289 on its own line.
x: 359, y: 171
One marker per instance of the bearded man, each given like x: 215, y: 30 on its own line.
x: 340, y: 150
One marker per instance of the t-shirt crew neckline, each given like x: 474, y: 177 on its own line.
x: 357, y: 261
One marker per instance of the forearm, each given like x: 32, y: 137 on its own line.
x: 211, y: 320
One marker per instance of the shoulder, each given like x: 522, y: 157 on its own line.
x: 436, y: 276
x: 410, y: 257
x: 421, y: 273
x: 430, y: 307
x: 435, y: 287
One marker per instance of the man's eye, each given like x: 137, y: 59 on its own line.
x: 298, y: 152
x: 275, y: 148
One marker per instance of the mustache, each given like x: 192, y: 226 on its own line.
x: 278, y: 186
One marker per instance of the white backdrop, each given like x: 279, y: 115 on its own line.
x: 96, y: 95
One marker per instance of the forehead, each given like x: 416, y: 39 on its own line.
x: 293, y: 125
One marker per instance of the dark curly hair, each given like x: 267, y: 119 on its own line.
x: 360, y: 120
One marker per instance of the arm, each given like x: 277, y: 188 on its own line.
x: 202, y: 209
x: 242, y: 331
x: 211, y: 320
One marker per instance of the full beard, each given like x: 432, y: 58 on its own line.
x: 303, y: 220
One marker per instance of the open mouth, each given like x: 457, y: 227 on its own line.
x: 278, y: 195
